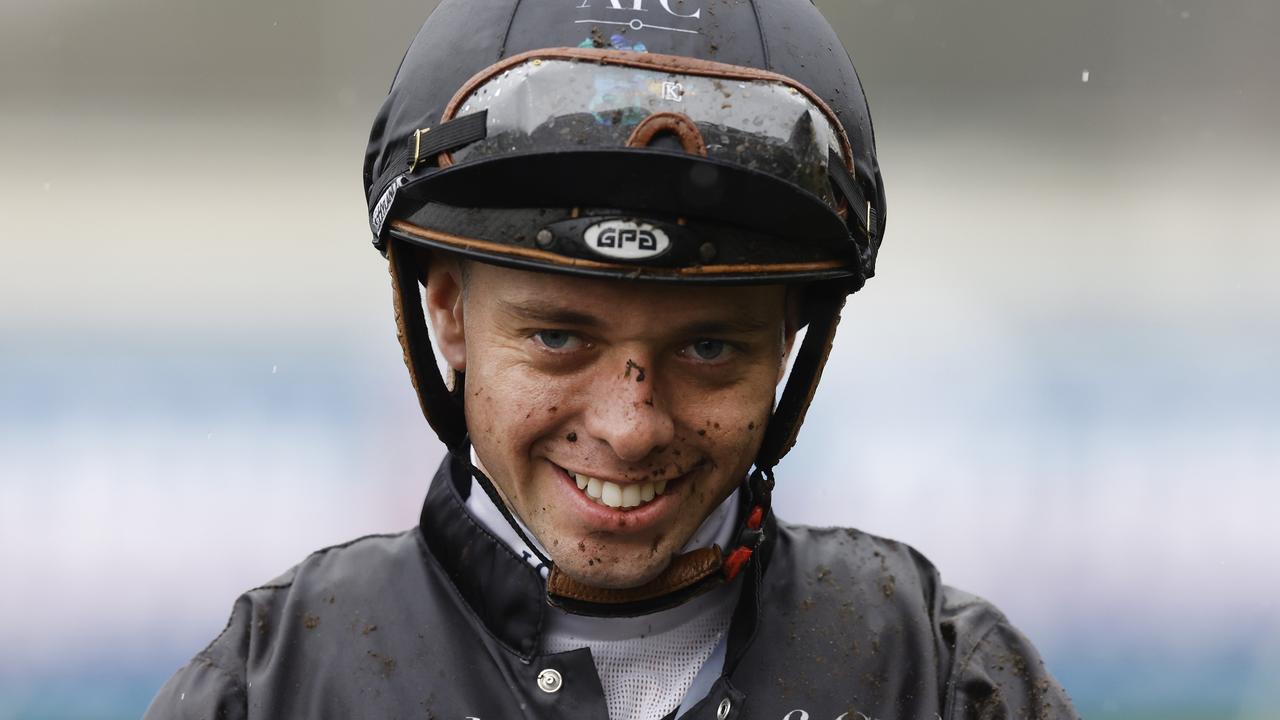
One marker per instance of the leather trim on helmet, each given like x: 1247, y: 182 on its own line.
x: 678, y: 124
x: 638, y: 272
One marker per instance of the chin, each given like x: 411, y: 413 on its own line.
x: 619, y: 574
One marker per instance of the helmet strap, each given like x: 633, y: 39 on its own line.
x: 824, y: 305
x: 441, y: 406
x: 784, y: 426
x: 492, y: 491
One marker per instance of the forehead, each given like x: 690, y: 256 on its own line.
x: 519, y: 292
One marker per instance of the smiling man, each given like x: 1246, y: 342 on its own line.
x: 613, y: 418
x: 616, y: 217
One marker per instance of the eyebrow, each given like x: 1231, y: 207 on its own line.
x: 736, y: 326
x: 548, y: 314
x: 541, y: 313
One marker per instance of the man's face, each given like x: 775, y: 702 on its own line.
x: 653, y: 396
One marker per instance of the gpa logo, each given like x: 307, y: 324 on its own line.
x: 626, y: 240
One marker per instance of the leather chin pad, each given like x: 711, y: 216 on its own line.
x: 689, y: 574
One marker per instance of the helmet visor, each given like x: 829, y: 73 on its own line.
x: 568, y: 100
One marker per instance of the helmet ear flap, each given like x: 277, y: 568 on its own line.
x: 441, y: 406
x: 823, y: 306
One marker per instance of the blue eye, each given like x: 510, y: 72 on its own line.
x: 554, y: 339
x: 708, y: 349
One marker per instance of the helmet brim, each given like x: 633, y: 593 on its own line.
x: 728, y: 223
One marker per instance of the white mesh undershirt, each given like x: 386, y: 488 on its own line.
x: 646, y: 676
x: 646, y: 664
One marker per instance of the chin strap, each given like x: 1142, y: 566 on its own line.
x: 464, y: 453
x: 751, y: 536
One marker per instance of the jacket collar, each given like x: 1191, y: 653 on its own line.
x: 501, y: 588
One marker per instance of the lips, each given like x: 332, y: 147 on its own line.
x: 613, y: 495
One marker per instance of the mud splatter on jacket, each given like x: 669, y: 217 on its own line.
x: 443, y: 621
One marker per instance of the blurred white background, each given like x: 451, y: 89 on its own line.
x: 1061, y: 388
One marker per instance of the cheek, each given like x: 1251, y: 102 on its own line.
x: 512, y: 407
x: 729, y: 424
x: 506, y: 424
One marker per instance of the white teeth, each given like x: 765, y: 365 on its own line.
x: 619, y: 496
x: 612, y: 495
x: 631, y: 496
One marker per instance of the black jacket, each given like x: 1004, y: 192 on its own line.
x: 444, y: 621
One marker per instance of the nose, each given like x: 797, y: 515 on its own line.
x: 628, y: 413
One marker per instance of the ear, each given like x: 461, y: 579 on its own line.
x: 444, y: 306
x: 791, y: 326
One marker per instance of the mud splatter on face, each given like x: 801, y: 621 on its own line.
x: 653, y: 546
x: 529, y: 459
x: 631, y: 365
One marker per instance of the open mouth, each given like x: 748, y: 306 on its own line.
x: 621, y: 497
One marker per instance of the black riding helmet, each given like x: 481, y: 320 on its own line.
x: 680, y: 141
